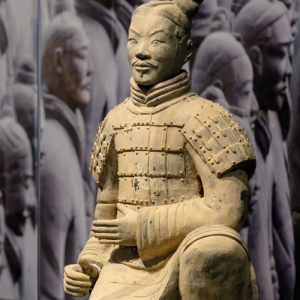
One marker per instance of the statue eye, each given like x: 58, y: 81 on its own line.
x: 133, y: 41
x: 156, y: 42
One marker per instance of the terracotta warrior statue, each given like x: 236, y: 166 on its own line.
x: 172, y: 170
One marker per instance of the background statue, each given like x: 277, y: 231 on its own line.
x: 223, y: 68
x: 15, y: 171
x: 265, y: 29
x: 155, y: 221
x: 65, y: 63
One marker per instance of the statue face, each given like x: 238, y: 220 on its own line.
x: 18, y: 173
x: 153, y: 50
x: 76, y: 72
x: 276, y: 67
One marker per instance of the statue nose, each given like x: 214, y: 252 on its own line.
x: 142, y: 52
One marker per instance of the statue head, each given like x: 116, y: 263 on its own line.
x: 15, y: 173
x: 65, y: 60
x: 266, y: 32
x: 159, y: 41
x: 223, y: 62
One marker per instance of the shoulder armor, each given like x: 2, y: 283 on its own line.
x: 220, y: 141
x: 100, y: 150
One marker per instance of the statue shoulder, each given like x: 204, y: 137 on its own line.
x: 103, y: 143
x: 219, y: 140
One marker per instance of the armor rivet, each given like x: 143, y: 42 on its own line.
x: 168, y: 173
x: 182, y: 180
x: 180, y: 148
x: 212, y: 163
x: 195, y: 140
x: 150, y: 148
x: 181, y: 172
x: 142, y: 123
x: 163, y: 154
x: 162, y: 148
x: 146, y: 179
x: 166, y: 201
x: 224, y: 147
x: 184, y: 131
x: 152, y: 123
x: 150, y: 174
x: 248, y: 157
x: 191, y: 137
x: 138, y: 128
x: 204, y: 122
x: 209, y: 159
x: 136, y: 153
x: 135, y: 173
x: 146, y: 202
x: 181, y: 154
x: 163, y: 179
x: 141, y: 148
x: 179, y: 130
x: 146, y: 153
x: 172, y: 200
x: 132, y: 200
x: 153, y: 203
x: 227, y: 151
x: 171, y: 123
x: 131, y: 148
x: 214, y: 132
x: 113, y: 126
x: 124, y: 154
x: 218, y: 136
x: 137, y: 201
x: 169, y: 148
x: 233, y: 162
x: 204, y: 151
x: 208, y: 125
x: 145, y: 148
x: 198, y: 115
x: 134, y: 124
x: 218, y: 173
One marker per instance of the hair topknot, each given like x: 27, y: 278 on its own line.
x: 189, y: 7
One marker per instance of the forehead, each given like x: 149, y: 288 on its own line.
x: 147, y: 24
x: 79, y: 41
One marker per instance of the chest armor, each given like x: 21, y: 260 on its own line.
x: 154, y: 167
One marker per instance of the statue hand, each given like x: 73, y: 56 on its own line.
x: 76, y: 283
x: 118, y: 231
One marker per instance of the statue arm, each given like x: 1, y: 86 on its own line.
x: 104, y: 170
x: 160, y: 230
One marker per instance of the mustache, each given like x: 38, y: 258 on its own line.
x: 145, y: 63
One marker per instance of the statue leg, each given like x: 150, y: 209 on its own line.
x: 215, y: 267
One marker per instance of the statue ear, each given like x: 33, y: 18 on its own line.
x: 58, y: 60
x: 256, y: 59
x: 218, y: 83
x: 190, y: 50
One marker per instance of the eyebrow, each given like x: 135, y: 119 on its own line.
x: 157, y: 31
x: 152, y: 33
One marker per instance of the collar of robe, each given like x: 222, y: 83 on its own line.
x: 73, y: 122
x: 161, y: 92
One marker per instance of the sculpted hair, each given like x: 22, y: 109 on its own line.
x: 59, y: 34
x: 180, y: 12
x: 254, y: 22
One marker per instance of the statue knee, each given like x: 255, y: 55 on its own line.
x: 215, y: 266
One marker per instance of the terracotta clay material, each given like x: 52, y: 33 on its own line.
x: 172, y: 170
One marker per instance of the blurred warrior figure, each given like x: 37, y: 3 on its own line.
x: 66, y: 75
x: 294, y: 157
x: 15, y: 172
x: 266, y: 31
x: 223, y: 73
x: 111, y: 72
